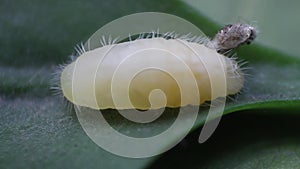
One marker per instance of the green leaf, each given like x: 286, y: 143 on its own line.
x: 38, y: 130
x: 243, y: 140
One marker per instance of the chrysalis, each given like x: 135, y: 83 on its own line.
x: 130, y: 71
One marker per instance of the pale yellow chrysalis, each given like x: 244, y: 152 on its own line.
x: 88, y: 80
